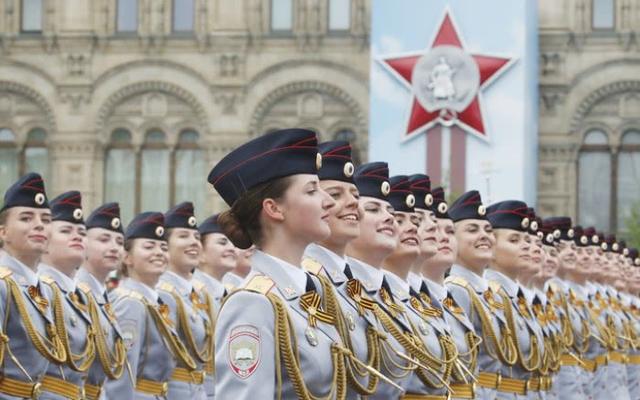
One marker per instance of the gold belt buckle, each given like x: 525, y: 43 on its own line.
x: 36, y: 391
x: 197, y: 376
x: 498, y: 379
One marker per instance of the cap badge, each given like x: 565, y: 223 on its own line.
x: 385, y: 188
x: 525, y: 223
x: 595, y: 239
x: 348, y: 169
x: 410, y: 201
x: 192, y: 221
x: 39, y: 199
x: 318, y: 160
x: 428, y: 199
x: 115, y: 223
x: 77, y: 214
x: 615, y: 247
x: 534, y: 225
x: 625, y: 252
x: 159, y: 231
x: 442, y: 208
x: 482, y: 211
x: 571, y: 233
x: 637, y: 261
x: 604, y: 246
x: 584, y: 240
x: 541, y: 235
x: 550, y: 238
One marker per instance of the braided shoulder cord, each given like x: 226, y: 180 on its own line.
x: 205, y: 354
x: 174, y: 343
x: 112, y: 364
x: 533, y: 361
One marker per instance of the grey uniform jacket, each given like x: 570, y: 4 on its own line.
x: 171, y: 285
x: 109, y: 325
x: 231, y: 281
x: 149, y: 358
x: 27, y: 365
x: 245, y: 336
x: 77, y: 322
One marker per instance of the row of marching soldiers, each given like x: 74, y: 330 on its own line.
x: 358, y: 285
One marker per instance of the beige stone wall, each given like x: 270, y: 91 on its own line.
x: 582, y: 69
x: 231, y: 79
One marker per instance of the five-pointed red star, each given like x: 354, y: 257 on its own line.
x: 471, y: 117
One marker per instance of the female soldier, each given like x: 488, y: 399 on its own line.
x: 427, y: 321
x: 510, y: 220
x: 153, y: 346
x: 219, y: 257
x: 476, y: 242
x: 356, y: 322
x: 105, y: 250
x: 188, y: 311
x: 421, y: 189
x: 28, y: 347
x: 65, y: 254
x: 274, y: 337
x: 434, y: 292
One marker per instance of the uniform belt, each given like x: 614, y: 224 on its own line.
x: 152, y: 387
x: 184, y: 375
x: 510, y: 385
x: 633, y: 359
x: 209, y: 368
x: 534, y: 384
x: 489, y: 380
x: 92, y: 391
x: 62, y: 388
x: 412, y: 396
x: 618, y: 357
x: 590, y: 365
x: 546, y: 383
x: 567, y: 360
x: 463, y: 390
x: 16, y: 388
x: 601, y: 360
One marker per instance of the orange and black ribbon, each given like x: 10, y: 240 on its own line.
x: 195, y: 300
x: 540, y: 314
x: 491, y: 300
x: 75, y: 299
x: 426, y: 311
x: 354, y: 290
x: 163, y: 309
x: 452, y: 306
x: 522, y: 306
x: 34, y: 293
x: 386, y: 298
x: 310, y: 302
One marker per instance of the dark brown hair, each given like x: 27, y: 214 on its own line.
x: 122, y: 271
x: 241, y: 223
x: 4, y: 216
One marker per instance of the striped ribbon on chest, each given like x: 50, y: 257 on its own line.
x: 394, y: 308
x: 354, y: 290
x: 310, y: 303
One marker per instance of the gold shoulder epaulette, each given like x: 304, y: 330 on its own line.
x: 311, y: 266
x: 47, y: 279
x: 495, y: 286
x: 121, y: 292
x: 260, y: 284
x: 198, y: 285
x: 166, y: 286
x: 456, y: 280
x: 5, y: 272
x: 136, y: 295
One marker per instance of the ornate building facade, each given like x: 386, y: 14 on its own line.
x: 135, y: 100
x: 589, y: 146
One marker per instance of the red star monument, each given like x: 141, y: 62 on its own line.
x: 445, y: 77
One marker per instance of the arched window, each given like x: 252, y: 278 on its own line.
x: 31, y: 16
x: 603, y: 14
x: 594, y: 180
x: 8, y: 159
x: 154, y: 173
x: 36, y: 155
x: 339, y: 15
x: 190, y: 167
x: 281, y: 15
x: 127, y: 16
x: 120, y: 177
x: 183, y: 15
x: 628, y: 176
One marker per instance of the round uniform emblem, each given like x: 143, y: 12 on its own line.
x: 541, y: 235
x: 410, y: 201
x: 311, y: 336
x: 557, y: 233
x: 244, y: 350
x: 625, y: 252
x: 571, y: 233
x: 525, y: 223
x: 534, y: 226
x: 159, y: 231
x: 615, y: 247
x: 115, y: 223
x: 348, y: 169
x: 39, y: 199
x: 595, y: 239
x: 550, y: 238
x: 318, y: 161
x: 604, y: 246
x: 192, y: 221
x: 385, y: 188
x: 637, y: 261
x: 482, y: 210
x: 428, y: 199
x: 442, y: 208
x: 77, y: 214
x: 584, y: 240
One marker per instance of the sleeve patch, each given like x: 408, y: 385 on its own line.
x: 244, y: 350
